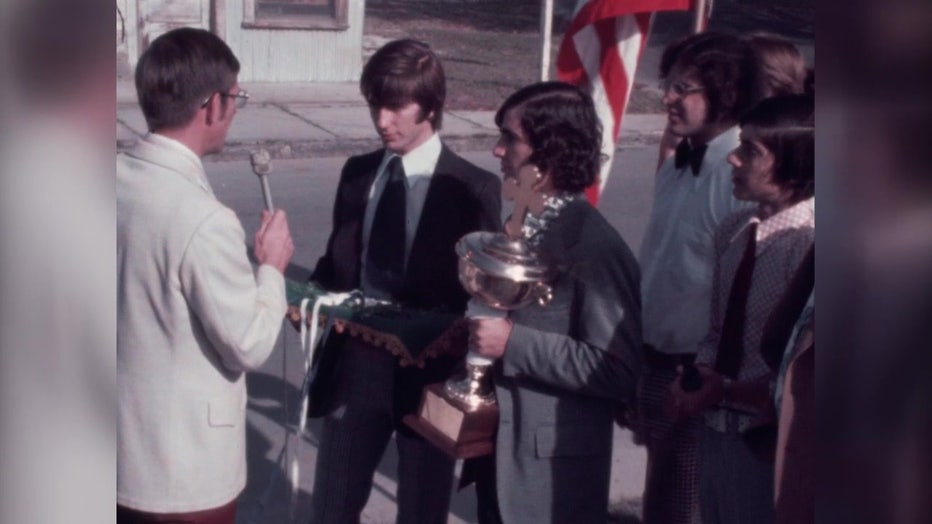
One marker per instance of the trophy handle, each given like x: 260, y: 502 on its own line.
x: 544, y: 293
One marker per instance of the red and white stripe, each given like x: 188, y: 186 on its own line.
x: 600, y: 52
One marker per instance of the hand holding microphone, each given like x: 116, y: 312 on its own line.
x: 273, y: 243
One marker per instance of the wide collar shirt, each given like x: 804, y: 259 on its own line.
x: 419, y: 165
x: 782, y: 241
x: 677, y: 254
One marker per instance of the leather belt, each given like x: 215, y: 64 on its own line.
x: 726, y: 420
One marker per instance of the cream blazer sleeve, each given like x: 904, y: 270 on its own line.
x: 241, y: 315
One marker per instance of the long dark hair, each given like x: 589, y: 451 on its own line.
x: 786, y: 127
x: 403, y: 71
x: 783, y: 67
x: 725, y: 65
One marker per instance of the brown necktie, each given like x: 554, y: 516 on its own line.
x: 731, y: 346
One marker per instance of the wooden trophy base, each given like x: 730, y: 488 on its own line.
x: 459, y: 433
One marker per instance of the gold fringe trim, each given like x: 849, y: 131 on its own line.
x: 453, y: 340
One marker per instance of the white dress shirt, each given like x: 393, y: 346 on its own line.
x: 782, y: 241
x: 419, y: 166
x: 677, y: 254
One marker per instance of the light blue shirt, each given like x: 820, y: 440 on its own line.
x: 677, y: 256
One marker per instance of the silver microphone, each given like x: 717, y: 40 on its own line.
x: 261, y: 162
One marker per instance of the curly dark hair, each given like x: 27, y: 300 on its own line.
x: 563, y: 129
x: 786, y: 127
x: 726, y: 66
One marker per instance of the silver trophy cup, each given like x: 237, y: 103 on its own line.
x: 460, y: 416
x: 502, y: 274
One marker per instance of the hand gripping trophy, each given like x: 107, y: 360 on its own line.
x: 501, y: 272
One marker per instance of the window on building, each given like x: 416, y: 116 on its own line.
x: 295, y: 14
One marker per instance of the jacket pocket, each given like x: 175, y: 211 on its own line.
x: 225, y: 411
x: 574, y: 441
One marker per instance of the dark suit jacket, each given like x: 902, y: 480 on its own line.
x: 461, y: 198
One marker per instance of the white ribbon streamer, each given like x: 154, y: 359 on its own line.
x: 309, y: 343
x: 309, y: 338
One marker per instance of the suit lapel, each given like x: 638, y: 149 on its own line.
x: 359, y: 193
x: 434, y: 206
x: 363, y: 186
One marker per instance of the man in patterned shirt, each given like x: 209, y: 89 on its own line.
x: 757, y: 253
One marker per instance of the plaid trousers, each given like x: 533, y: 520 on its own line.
x: 671, y: 489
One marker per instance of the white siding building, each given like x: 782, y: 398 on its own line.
x: 275, y: 40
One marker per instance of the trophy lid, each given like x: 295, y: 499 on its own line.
x: 496, y: 254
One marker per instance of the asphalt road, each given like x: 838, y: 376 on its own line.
x: 305, y: 188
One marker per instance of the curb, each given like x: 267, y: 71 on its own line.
x: 345, y: 147
x: 340, y: 125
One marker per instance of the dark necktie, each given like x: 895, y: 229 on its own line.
x: 731, y: 345
x: 686, y: 154
x: 386, y: 252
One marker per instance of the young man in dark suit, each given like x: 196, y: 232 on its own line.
x: 397, y: 216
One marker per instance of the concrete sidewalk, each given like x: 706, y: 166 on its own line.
x: 302, y: 120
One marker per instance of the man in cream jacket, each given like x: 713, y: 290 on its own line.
x: 193, y: 315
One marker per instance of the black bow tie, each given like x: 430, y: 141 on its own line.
x: 686, y: 154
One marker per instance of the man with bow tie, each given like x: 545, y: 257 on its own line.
x: 709, y: 80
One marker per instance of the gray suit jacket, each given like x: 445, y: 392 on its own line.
x: 566, y: 368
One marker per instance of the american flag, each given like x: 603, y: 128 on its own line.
x: 600, y: 52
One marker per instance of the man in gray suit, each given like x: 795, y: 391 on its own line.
x: 562, y: 369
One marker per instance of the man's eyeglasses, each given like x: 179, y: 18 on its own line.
x: 241, y: 98
x: 680, y: 89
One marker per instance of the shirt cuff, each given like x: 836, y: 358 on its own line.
x: 271, y: 284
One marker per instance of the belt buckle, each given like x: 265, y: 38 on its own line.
x: 722, y: 420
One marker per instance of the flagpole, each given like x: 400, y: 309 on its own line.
x: 699, y: 18
x: 546, y: 27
